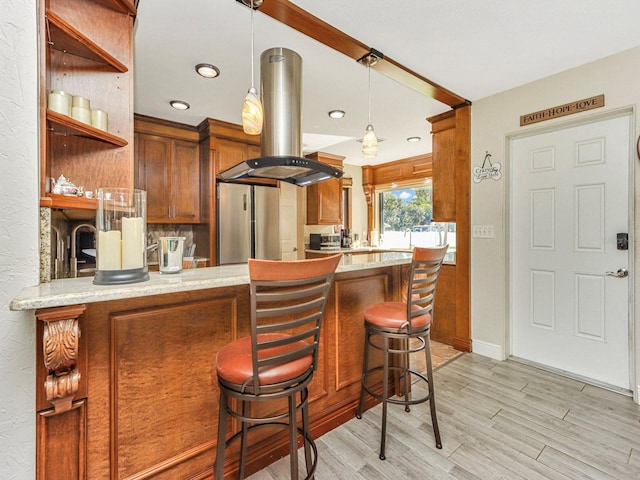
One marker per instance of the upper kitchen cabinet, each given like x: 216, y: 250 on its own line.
x: 228, y: 144
x: 87, y: 51
x: 168, y: 167
x: 443, y: 131
x: 324, y: 199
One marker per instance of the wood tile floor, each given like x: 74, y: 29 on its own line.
x: 498, y: 420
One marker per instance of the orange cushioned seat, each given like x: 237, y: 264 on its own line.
x: 393, y: 315
x: 234, y: 362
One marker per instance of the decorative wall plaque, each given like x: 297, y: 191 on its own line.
x: 487, y: 170
x: 562, y: 110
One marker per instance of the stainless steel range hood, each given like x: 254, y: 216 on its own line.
x: 281, y: 141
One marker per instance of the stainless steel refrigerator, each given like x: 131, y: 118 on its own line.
x: 248, y: 223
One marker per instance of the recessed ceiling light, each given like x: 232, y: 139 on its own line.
x: 207, y: 70
x: 179, y: 105
x: 336, y: 113
x: 413, y: 139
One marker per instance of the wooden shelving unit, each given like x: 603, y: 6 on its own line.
x: 88, y: 47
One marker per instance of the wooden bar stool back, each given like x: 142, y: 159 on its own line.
x: 278, y: 359
x: 399, y: 329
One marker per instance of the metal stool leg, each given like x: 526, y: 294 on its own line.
x: 243, y: 443
x: 432, y: 398
x: 222, y: 433
x: 293, y: 437
x: 304, y: 395
x: 405, y: 372
x: 385, y: 393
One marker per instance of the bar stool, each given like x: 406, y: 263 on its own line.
x: 278, y: 359
x: 395, y: 325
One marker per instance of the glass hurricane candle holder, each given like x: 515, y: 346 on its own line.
x: 121, y: 222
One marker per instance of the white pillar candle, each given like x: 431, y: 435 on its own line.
x: 99, y: 119
x: 133, y: 245
x: 109, y: 250
x: 81, y: 114
x: 59, y: 102
x: 78, y: 101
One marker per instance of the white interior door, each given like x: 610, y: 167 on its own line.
x: 569, y: 199
x: 288, y: 221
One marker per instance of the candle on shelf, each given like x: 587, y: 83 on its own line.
x: 133, y: 247
x: 109, y: 250
x: 81, y: 114
x: 59, y: 101
x: 99, y: 119
x: 78, y: 101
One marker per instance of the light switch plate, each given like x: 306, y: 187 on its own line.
x: 483, y: 231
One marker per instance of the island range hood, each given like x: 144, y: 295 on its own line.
x: 281, y: 141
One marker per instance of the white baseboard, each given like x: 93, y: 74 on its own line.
x: 488, y: 350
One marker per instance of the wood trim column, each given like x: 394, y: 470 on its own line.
x: 462, y: 339
x: 61, y: 405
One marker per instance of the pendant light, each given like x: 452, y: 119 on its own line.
x: 369, y: 140
x: 252, y: 113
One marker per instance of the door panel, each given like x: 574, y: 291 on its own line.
x: 570, y: 197
x: 288, y: 222
x: 267, y: 221
x: 234, y: 223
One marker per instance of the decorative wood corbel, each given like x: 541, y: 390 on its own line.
x: 60, y: 341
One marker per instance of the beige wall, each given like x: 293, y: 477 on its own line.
x: 493, y: 120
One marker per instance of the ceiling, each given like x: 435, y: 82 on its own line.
x: 474, y: 49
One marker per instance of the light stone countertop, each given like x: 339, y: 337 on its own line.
x: 74, y: 291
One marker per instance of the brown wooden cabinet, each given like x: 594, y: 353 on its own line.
x: 87, y: 51
x: 451, y: 203
x: 168, y: 168
x: 324, y: 199
x: 231, y: 152
x: 443, y: 130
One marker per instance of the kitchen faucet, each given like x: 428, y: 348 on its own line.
x: 58, y: 260
x: 410, y: 236
x: 73, y: 261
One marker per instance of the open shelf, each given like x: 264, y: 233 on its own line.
x: 123, y: 6
x: 53, y: 200
x: 64, y: 37
x: 64, y: 125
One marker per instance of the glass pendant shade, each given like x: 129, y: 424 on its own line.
x: 252, y: 114
x: 369, y: 143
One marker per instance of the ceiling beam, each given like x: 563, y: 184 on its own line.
x: 295, y: 17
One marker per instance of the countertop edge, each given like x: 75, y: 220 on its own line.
x: 74, y: 291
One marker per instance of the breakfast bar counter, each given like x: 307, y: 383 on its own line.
x: 82, y: 290
x: 126, y: 385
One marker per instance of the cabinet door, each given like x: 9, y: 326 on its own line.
x: 324, y: 203
x: 444, y: 189
x: 185, y: 182
x: 230, y: 153
x: 153, y: 166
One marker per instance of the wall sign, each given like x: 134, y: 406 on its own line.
x: 562, y: 110
x: 487, y: 170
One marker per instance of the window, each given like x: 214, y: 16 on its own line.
x: 405, y: 220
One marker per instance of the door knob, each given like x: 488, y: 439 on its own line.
x: 621, y: 273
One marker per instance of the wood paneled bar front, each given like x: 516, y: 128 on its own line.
x: 135, y: 394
